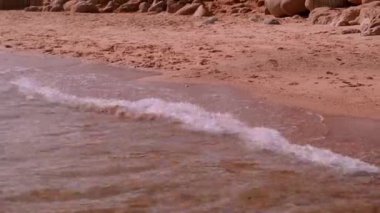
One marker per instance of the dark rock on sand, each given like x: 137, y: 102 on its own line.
x: 281, y: 8
x: 84, y: 7
x: 271, y: 21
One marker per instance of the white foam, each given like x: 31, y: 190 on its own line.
x: 199, y: 119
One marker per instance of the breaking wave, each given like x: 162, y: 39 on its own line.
x: 197, y: 118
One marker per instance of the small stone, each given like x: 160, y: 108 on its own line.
x: 211, y: 20
x: 350, y: 31
x: 293, y: 83
x: 271, y: 21
x: 256, y: 18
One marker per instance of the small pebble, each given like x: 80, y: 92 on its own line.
x: 271, y: 21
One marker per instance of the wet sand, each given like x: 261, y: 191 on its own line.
x: 296, y: 63
x: 80, y: 160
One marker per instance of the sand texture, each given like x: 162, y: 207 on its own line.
x: 295, y: 63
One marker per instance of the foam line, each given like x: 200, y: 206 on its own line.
x: 199, y: 119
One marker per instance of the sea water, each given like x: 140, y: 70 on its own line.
x: 78, y: 137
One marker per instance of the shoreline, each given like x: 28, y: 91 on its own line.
x: 327, y: 79
x: 348, y: 136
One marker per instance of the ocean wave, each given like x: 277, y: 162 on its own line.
x: 197, y: 118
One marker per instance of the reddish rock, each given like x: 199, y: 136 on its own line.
x: 370, y: 27
x: 84, y: 7
x: 130, y: 6
x: 312, y: 4
x: 245, y: 10
x: 324, y: 15
x: 67, y: 6
x: 57, y: 5
x: 201, y: 11
x: 281, y: 8
x: 173, y: 6
x: 355, y: 2
x: 157, y: 7
x: 368, y: 1
x: 348, y: 16
x: 188, y: 9
x: 143, y: 7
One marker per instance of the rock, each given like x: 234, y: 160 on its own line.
x: 369, y: 19
x: 293, y: 7
x: 130, y: 6
x: 109, y: 8
x: 324, y: 15
x: 188, y: 9
x: 347, y: 16
x: 281, y: 8
x: 201, y: 11
x: 245, y: 10
x: 343, y: 17
x: 271, y: 21
x: 370, y: 11
x: 173, y: 6
x: 367, y: 1
x: 143, y: 7
x: 67, y: 6
x: 274, y: 8
x: 84, y: 7
x: 312, y: 4
x: 211, y: 20
x: 256, y: 18
x: 95, y: 2
x: 239, y: 6
x: 260, y: 3
x: 370, y: 27
x: 56, y: 8
x: 57, y: 5
x: 157, y: 7
x: 234, y: 10
x: 355, y: 2
x: 33, y: 9
x: 266, y: 11
x: 46, y: 8
x: 46, y: 2
x: 350, y: 31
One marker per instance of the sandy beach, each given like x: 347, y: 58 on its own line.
x: 156, y: 111
x: 295, y: 63
x: 89, y: 137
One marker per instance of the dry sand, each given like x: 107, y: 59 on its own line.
x: 296, y: 63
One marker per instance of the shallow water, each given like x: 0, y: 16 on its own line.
x: 78, y: 137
